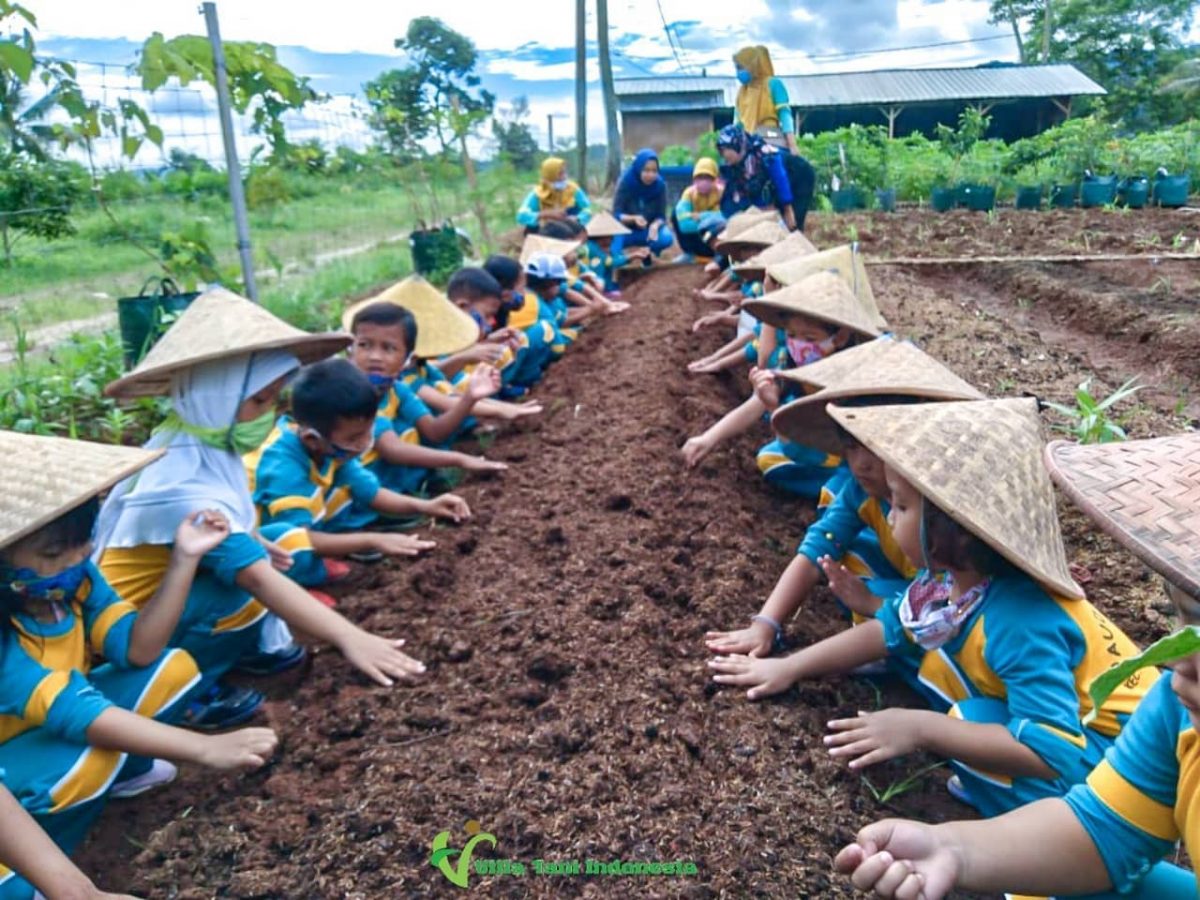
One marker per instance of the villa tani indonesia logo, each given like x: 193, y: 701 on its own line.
x: 458, y: 865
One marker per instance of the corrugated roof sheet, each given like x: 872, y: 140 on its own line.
x: 884, y: 87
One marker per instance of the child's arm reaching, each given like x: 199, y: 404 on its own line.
x: 485, y: 351
x: 767, y: 342
x: 397, y: 452
x: 155, y: 623
x: 757, y: 638
x: 119, y: 729
x: 484, y: 382
x: 444, y: 506
x: 738, y: 420
x: 849, y: 588
x: 325, y: 543
x: 766, y: 386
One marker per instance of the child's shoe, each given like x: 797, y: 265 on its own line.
x: 160, y: 772
x: 366, y: 556
x: 272, y: 663
x: 323, y: 598
x: 955, y: 786
x: 335, y: 570
x: 222, y: 706
x: 684, y: 259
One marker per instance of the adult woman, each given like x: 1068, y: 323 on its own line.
x: 555, y: 197
x: 759, y: 175
x: 641, y: 205
x: 762, y: 106
x: 697, y: 216
x: 224, y: 363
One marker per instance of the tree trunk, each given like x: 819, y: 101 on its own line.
x: 1016, y: 30
x: 1047, y: 29
x: 581, y: 90
x: 472, y: 181
x: 612, y: 167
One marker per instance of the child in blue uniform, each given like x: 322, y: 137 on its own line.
x: 601, y: 258
x: 314, y: 496
x: 1107, y: 837
x: 521, y: 310
x: 993, y: 631
x: 697, y: 215
x: 73, y: 734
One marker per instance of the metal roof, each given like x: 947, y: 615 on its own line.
x: 881, y: 88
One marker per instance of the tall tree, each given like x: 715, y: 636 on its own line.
x: 581, y: 90
x: 514, y: 137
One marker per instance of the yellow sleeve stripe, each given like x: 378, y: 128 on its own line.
x: 294, y: 540
x: 1076, y: 740
x: 1140, y: 811
x: 313, y: 504
x: 106, y: 620
x: 37, y: 708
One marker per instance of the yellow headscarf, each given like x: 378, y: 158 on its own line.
x: 702, y: 203
x: 754, y: 104
x: 553, y: 168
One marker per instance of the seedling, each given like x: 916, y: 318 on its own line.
x: 901, y: 787
x: 852, y: 233
x: 1005, y: 385
x: 1088, y: 420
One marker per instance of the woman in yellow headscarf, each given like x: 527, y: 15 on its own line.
x: 554, y: 197
x: 762, y: 106
x: 697, y: 216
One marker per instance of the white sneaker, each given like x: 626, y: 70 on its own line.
x: 161, y: 772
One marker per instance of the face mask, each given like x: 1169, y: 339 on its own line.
x: 380, y: 381
x: 341, y: 454
x: 247, y: 436
x: 57, y: 587
x: 930, y: 616
x: 804, y: 352
x: 744, y: 77
x: 704, y: 186
x: 560, y: 185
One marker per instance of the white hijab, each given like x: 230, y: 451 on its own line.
x: 147, y: 507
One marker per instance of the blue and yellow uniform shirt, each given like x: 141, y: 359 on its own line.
x: 602, y: 263
x: 43, y: 664
x: 573, y: 200
x: 844, y: 520
x: 1145, y: 795
x: 426, y: 374
x: 695, y: 211
x: 289, y: 487
x: 399, y: 410
x: 1037, y: 653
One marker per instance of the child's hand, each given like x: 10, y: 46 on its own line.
x: 766, y: 387
x: 875, y: 736
x: 482, y: 464
x: 200, y: 533
x: 764, y: 677
x: 639, y: 221
x: 756, y: 639
x: 486, y: 352
x: 848, y: 587
x: 400, y: 544
x: 712, y: 268
x: 508, y: 336
x: 522, y: 409
x: 448, y: 506
x: 281, y: 560
x: 899, y: 858
x: 247, y: 748
x: 612, y: 307
x: 696, y: 449
x: 637, y: 252
x: 378, y: 658
x: 484, y: 382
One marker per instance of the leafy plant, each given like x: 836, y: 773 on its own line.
x: 1088, y: 421
x: 900, y: 787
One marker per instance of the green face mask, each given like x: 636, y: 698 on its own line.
x: 243, y: 438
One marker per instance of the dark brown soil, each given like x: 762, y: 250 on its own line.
x: 567, y: 707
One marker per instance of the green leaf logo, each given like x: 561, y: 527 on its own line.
x: 442, y: 854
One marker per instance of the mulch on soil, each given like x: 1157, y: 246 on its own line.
x: 567, y: 708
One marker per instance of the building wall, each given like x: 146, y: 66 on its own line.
x: 662, y: 129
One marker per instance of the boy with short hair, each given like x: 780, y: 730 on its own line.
x: 310, y: 487
x: 521, y: 310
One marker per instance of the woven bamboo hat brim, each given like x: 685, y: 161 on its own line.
x: 220, y: 324
x: 48, y: 476
x: 442, y: 327
x: 748, y: 218
x: 793, y: 246
x: 822, y: 296
x: 981, y: 463
x: 604, y: 225
x: 537, y: 243
x: 884, y: 367
x: 846, y: 260
x: 1146, y: 494
x: 761, y: 234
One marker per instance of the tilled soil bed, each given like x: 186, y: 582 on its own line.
x: 567, y: 708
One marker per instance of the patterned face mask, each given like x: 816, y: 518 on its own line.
x: 57, y: 587
x: 928, y: 613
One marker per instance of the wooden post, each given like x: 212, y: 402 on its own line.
x: 612, y: 166
x: 891, y: 113
x: 1064, y: 105
x: 472, y: 180
x: 1048, y: 26
x: 581, y: 90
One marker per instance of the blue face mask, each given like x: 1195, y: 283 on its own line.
x: 380, y: 381
x: 516, y: 301
x: 59, y: 586
x: 744, y: 77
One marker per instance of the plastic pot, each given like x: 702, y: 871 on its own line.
x: 885, y: 199
x: 1171, y: 190
x: 1063, y: 196
x: 436, y: 252
x: 977, y: 197
x: 847, y: 199
x: 1134, y: 192
x: 1029, y: 197
x: 1099, y: 190
x: 143, y: 319
x: 943, y: 199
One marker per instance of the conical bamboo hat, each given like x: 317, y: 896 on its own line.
x: 48, y: 476
x: 220, y: 324
x: 748, y: 218
x: 884, y: 367
x: 442, y: 327
x: 981, y: 463
x: 793, y: 246
x: 846, y: 260
x: 1146, y: 494
x: 603, y: 224
x: 822, y: 296
x: 761, y: 234
x: 537, y: 243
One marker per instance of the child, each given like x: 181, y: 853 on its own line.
x: 73, y: 734
x: 804, y: 310
x: 312, y: 492
x: 846, y: 260
x: 697, y: 216
x: 521, y: 310
x: 794, y: 246
x: 1110, y: 834
x: 599, y: 256
x: 583, y: 288
x: 546, y: 276
x: 994, y: 631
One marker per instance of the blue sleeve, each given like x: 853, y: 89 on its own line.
x: 62, y: 701
x: 75, y: 708
x: 527, y: 215
x: 232, y: 555
x: 107, y: 620
x: 1127, y: 805
x: 839, y: 524
x: 584, y: 205
x: 895, y: 638
x: 778, y: 172
x: 283, y: 491
x: 1033, y: 646
x: 362, y: 484
x: 685, y: 217
x: 411, y: 408
x: 783, y: 106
